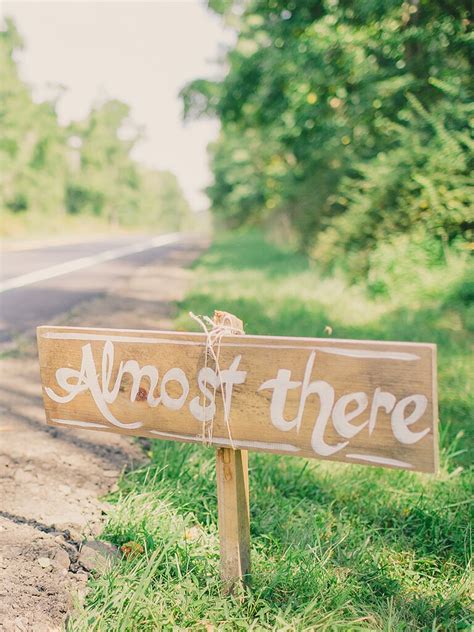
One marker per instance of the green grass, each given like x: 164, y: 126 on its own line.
x: 37, y: 225
x: 334, y: 547
x: 29, y: 226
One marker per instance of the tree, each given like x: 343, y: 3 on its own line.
x: 341, y: 116
x: 85, y: 168
x: 32, y: 150
x: 107, y: 181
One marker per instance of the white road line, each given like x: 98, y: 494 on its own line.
x: 87, y: 262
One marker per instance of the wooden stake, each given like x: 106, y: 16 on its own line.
x: 233, y: 497
x: 234, y: 516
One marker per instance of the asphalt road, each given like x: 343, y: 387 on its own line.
x: 40, y: 283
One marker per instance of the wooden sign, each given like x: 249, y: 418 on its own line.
x: 353, y: 401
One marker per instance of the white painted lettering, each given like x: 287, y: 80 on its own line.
x: 280, y: 386
x: 229, y: 378
x: 400, y: 423
x: 383, y: 400
x: 341, y: 417
x: 174, y: 375
x: 86, y: 379
x: 326, y: 396
x: 198, y: 408
x: 104, y: 389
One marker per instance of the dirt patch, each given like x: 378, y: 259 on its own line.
x: 36, y: 583
x: 51, y: 480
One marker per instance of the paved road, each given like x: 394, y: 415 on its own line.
x: 40, y: 283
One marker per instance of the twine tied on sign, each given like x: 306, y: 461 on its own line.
x: 223, y: 324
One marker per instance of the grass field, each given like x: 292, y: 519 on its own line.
x: 334, y: 547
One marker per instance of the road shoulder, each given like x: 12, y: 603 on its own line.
x: 52, y: 480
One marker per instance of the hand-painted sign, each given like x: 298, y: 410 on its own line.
x: 352, y: 401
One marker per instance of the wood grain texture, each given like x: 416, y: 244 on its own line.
x: 359, y: 372
x: 234, y: 516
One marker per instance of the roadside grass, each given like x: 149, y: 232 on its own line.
x: 37, y: 226
x: 334, y: 547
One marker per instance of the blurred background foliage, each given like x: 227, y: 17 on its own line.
x: 344, y: 124
x: 50, y: 173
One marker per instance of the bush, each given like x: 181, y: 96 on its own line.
x: 81, y: 199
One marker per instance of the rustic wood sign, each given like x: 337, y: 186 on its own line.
x: 343, y: 400
x: 352, y: 401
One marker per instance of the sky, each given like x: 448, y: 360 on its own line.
x: 142, y: 53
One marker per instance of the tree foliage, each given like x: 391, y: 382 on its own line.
x: 346, y: 118
x: 85, y: 168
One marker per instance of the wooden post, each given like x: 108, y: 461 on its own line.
x: 232, y: 472
x: 234, y: 516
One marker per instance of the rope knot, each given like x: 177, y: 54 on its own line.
x: 222, y: 324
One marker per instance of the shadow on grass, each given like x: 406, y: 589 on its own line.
x: 341, y: 534
x: 245, y: 252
